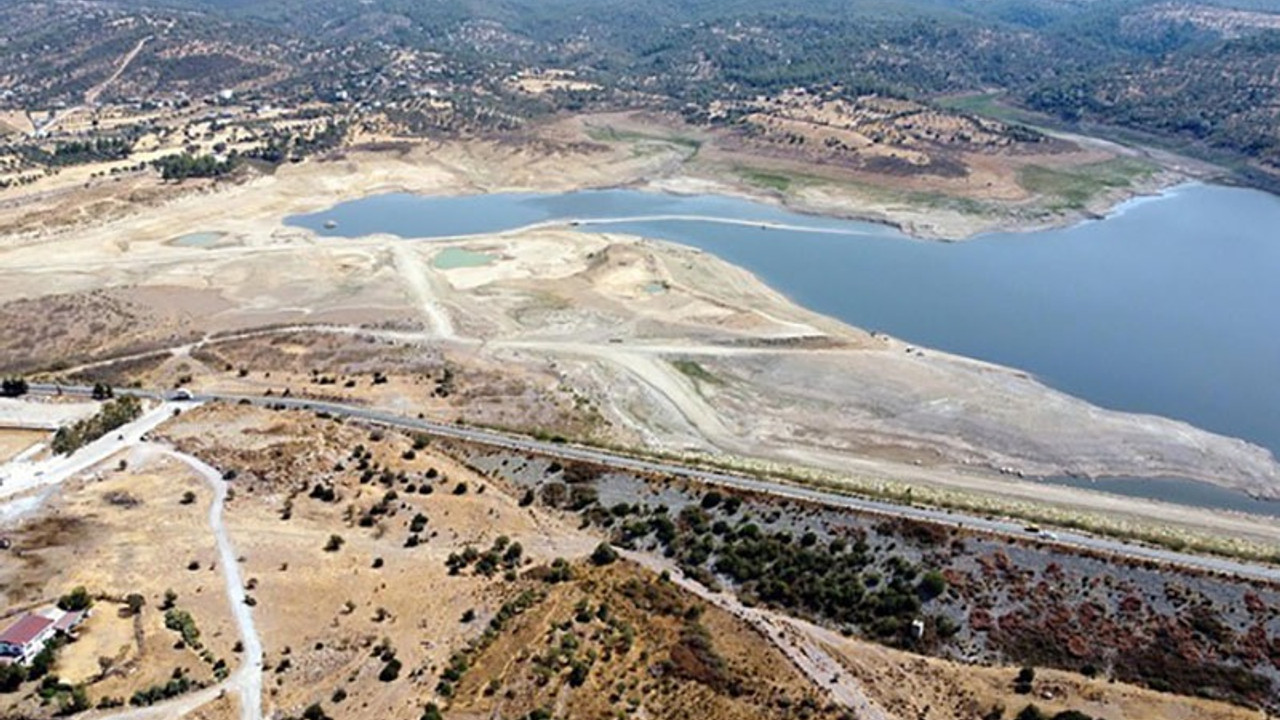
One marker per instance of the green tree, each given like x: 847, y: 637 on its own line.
x: 1031, y: 712
x: 135, y: 602
x: 114, y: 414
x: 183, y: 166
x: 931, y: 585
x: 391, y: 670
x: 76, y: 600
x: 74, y: 702
x: 43, y: 662
x: 13, y: 387
x: 604, y: 554
x: 1022, y: 684
x: 12, y: 677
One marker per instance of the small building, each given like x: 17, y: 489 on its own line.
x: 24, y: 639
x: 67, y: 624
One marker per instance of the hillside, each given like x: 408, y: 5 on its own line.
x: 391, y: 575
x: 1148, y: 65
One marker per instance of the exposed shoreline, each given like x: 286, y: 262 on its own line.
x: 672, y: 175
x: 960, y: 228
x: 1015, y: 228
x: 256, y: 230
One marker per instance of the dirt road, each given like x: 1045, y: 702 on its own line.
x: 247, y: 679
x: 25, y: 477
x: 91, y: 96
x: 410, y: 265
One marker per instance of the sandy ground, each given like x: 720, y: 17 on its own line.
x: 42, y: 414
x: 571, y: 154
x: 318, y: 612
x: 30, y: 475
x: 106, y: 634
x: 988, y: 197
x: 15, y: 443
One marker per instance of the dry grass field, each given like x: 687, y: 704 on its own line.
x: 15, y: 442
x: 119, y: 532
x: 369, y: 625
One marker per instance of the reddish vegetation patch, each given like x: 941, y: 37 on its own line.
x: 1131, y: 605
x: 980, y: 620
x: 956, y: 579
x: 1078, y: 646
x: 1254, y: 604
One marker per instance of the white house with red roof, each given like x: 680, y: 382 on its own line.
x: 24, y: 639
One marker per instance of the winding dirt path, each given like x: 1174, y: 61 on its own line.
x: 92, y: 94
x: 247, y: 679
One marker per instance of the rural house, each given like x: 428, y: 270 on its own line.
x: 24, y: 639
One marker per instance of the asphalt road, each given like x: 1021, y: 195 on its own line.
x: 519, y: 443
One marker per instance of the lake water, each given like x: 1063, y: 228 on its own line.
x: 1171, y: 306
x: 1175, y: 490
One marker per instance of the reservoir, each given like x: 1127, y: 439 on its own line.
x: 1169, y: 306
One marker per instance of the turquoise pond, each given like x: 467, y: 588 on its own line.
x: 197, y: 239
x: 450, y: 258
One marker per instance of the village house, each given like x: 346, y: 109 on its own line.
x: 25, y: 638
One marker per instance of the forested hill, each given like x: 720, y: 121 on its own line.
x: 1200, y: 71
x: 1204, y: 71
